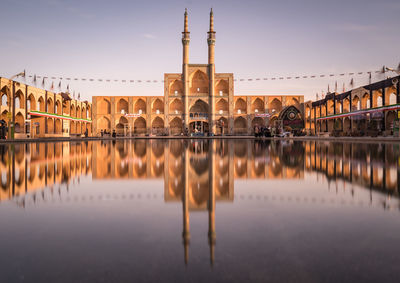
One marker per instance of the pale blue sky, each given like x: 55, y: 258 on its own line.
x: 142, y: 40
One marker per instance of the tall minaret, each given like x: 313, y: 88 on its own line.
x: 211, y: 73
x: 185, y: 71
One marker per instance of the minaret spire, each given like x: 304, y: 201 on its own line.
x: 186, y: 39
x: 211, y: 39
x: 185, y: 71
x: 211, y: 74
x: 186, y: 29
x: 211, y: 21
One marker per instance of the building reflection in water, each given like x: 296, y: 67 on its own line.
x: 373, y: 166
x: 197, y: 173
x: 29, y: 168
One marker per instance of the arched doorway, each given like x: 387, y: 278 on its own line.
x: 291, y: 118
x: 331, y: 125
x: 346, y: 124
x: 19, y: 123
x: 240, y: 126
x: 58, y: 129
x: 222, y: 126
x: 72, y: 127
x: 102, y: 124
x: 175, y: 126
x: 157, y: 126
x: 139, y: 126
x: 390, y: 116
x: 120, y: 127
x: 257, y: 121
x: 50, y: 126
x: 198, y: 115
x: 78, y: 128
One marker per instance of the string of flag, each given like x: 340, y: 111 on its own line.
x: 297, y: 77
x: 67, y: 80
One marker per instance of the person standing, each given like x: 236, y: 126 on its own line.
x: 3, y: 129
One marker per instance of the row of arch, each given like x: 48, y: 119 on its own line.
x: 122, y: 106
x: 240, y: 124
x: 359, y: 102
x: 344, y: 124
x: 199, y: 84
x: 31, y: 103
x: 176, y: 106
x: 54, y: 127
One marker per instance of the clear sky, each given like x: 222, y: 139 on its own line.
x: 255, y: 39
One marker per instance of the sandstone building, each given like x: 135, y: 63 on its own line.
x: 198, y: 99
x: 367, y: 110
x: 36, y: 112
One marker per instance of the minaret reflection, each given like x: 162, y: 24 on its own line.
x: 211, y: 201
x: 185, y: 202
x: 198, y: 173
x: 199, y: 188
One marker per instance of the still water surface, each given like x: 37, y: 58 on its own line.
x: 200, y: 210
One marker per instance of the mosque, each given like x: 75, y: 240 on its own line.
x: 196, y: 100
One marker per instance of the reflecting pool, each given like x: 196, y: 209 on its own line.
x: 199, y: 210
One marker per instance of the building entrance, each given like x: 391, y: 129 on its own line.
x: 198, y: 127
